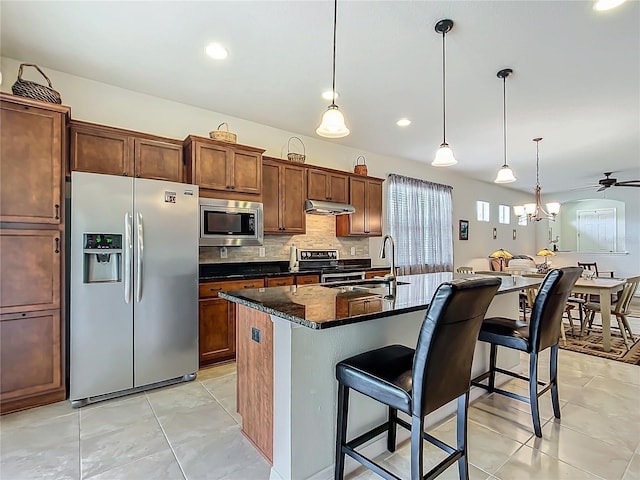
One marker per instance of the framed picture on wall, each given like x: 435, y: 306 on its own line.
x: 464, y: 229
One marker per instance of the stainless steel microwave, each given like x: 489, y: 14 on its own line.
x: 230, y: 223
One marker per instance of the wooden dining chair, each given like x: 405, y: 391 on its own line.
x: 591, y: 266
x: 620, y: 309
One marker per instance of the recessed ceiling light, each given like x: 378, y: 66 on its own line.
x: 328, y: 95
x: 217, y: 51
x: 403, y: 122
x: 602, y: 5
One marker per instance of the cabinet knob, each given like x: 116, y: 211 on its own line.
x: 57, y: 245
x: 217, y: 289
x: 125, y: 174
x: 57, y: 207
x: 249, y: 286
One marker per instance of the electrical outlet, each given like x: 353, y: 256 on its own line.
x: 223, y: 252
x: 261, y: 252
x: 256, y: 335
x: 353, y: 250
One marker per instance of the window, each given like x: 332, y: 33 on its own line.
x: 523, y: 220
x: 483, y: 211
x: 504, y: 214
x: 420, y: 221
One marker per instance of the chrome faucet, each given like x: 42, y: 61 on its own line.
x: 391, y: 276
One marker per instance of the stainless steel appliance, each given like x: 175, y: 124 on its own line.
x: 328, y: 263
x: 230, y: 223
x: 328, y: 208
x: 134, y: 285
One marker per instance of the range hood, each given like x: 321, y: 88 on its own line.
x: 319, y: 207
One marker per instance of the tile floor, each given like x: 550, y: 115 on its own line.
x: 191, y: 431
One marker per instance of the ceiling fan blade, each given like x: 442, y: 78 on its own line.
x: 628, y: 183
x: 601, y: 189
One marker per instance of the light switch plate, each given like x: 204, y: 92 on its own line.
x: 353, y: 250
x: 261, y: 252
x: 223, y: 252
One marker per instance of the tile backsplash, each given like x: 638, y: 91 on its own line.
x: 321, y: 233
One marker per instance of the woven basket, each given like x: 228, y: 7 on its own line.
x: 223, y: 135
x: 360, y: 169
x: 26, y: 88
x: 293, y: 156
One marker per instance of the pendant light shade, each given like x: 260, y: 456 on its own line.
x: 505, y: 174
x: 332, y: 124
x: 444, y: 155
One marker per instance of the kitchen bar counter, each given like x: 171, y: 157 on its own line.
x: 331, y: 305
x: 286, y: 357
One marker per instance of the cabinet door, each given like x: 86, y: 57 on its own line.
x: 212, y: 165
x: 158, y: 160
x: 374, y: 208
x: 30, y: 270
x: 216, y: 330
x: 271, y: 197
x: 31, y: 152
x: 376, y: 273
x: 101, y: 151
x: 246, y: 172
x: 339, y: 188
x: 357, y: 198
x: 292, y: 196
x: 30, y: 356
x: 317, y: 184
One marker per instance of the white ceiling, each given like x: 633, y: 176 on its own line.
x: 576, y: 78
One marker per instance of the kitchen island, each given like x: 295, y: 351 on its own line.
x: 289, y: 340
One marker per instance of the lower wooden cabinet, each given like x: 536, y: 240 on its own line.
x: 281, y: 281
x: 376, y: 273
x: 307, y: 279
x: 217, y: 339
x: 30, y: 355
x: 217, y: 321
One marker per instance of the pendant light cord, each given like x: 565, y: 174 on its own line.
x: 333, y: 85
x: 444, y: 109
x: 504, y: 118
x: 537, y: 162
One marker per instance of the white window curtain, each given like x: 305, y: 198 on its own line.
x: 420, y: 221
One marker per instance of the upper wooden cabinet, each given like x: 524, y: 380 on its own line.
x: 326, y: 185
x: 365, y: 194
x: 223, y: 167
x: 32, y: 146
x: 283, y: 195
x: 113, y: 151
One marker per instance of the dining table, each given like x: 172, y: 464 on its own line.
x: 603, y: 287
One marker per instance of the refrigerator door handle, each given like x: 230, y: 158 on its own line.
x: 128, y: 248
x: 140, y: 256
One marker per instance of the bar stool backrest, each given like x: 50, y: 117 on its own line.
x: 549, y: 305
x: 449, y: 332
x: 593, y: 266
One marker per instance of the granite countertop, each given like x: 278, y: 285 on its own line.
x: 211, y: 272
x: 321, y: 306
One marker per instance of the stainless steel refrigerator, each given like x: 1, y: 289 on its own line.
x: 134, y: 285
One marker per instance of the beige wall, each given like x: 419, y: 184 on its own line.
x: 105, y: 104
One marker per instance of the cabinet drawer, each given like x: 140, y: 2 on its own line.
x: 280, y: 281
x: 211, y: 289
x: 307, y: 279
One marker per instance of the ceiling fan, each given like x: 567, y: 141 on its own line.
x: 613, y: 182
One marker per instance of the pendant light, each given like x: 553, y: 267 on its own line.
x: 505, y: 175
x: 534, y: 211
x: 332, y: 124
x: 444, y: 155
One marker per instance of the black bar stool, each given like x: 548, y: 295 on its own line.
x: 542, y: 332
x: 419, y: 381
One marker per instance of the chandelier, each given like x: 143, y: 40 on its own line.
x: 534, y: 211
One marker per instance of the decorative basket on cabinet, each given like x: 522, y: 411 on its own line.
x: 360, y: 169
x: 223, y: 135
x: 29, y: 89
x: 296, y: 157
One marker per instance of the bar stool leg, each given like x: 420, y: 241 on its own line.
x: 391, y: 432
x: 341, y: 430
x: 553, y: 374
x: 492, y: 367
x: 417, y: 427
x: 461, y: 427
x: 533, y: 392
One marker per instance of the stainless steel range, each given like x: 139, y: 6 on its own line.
x: 328, y: 262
